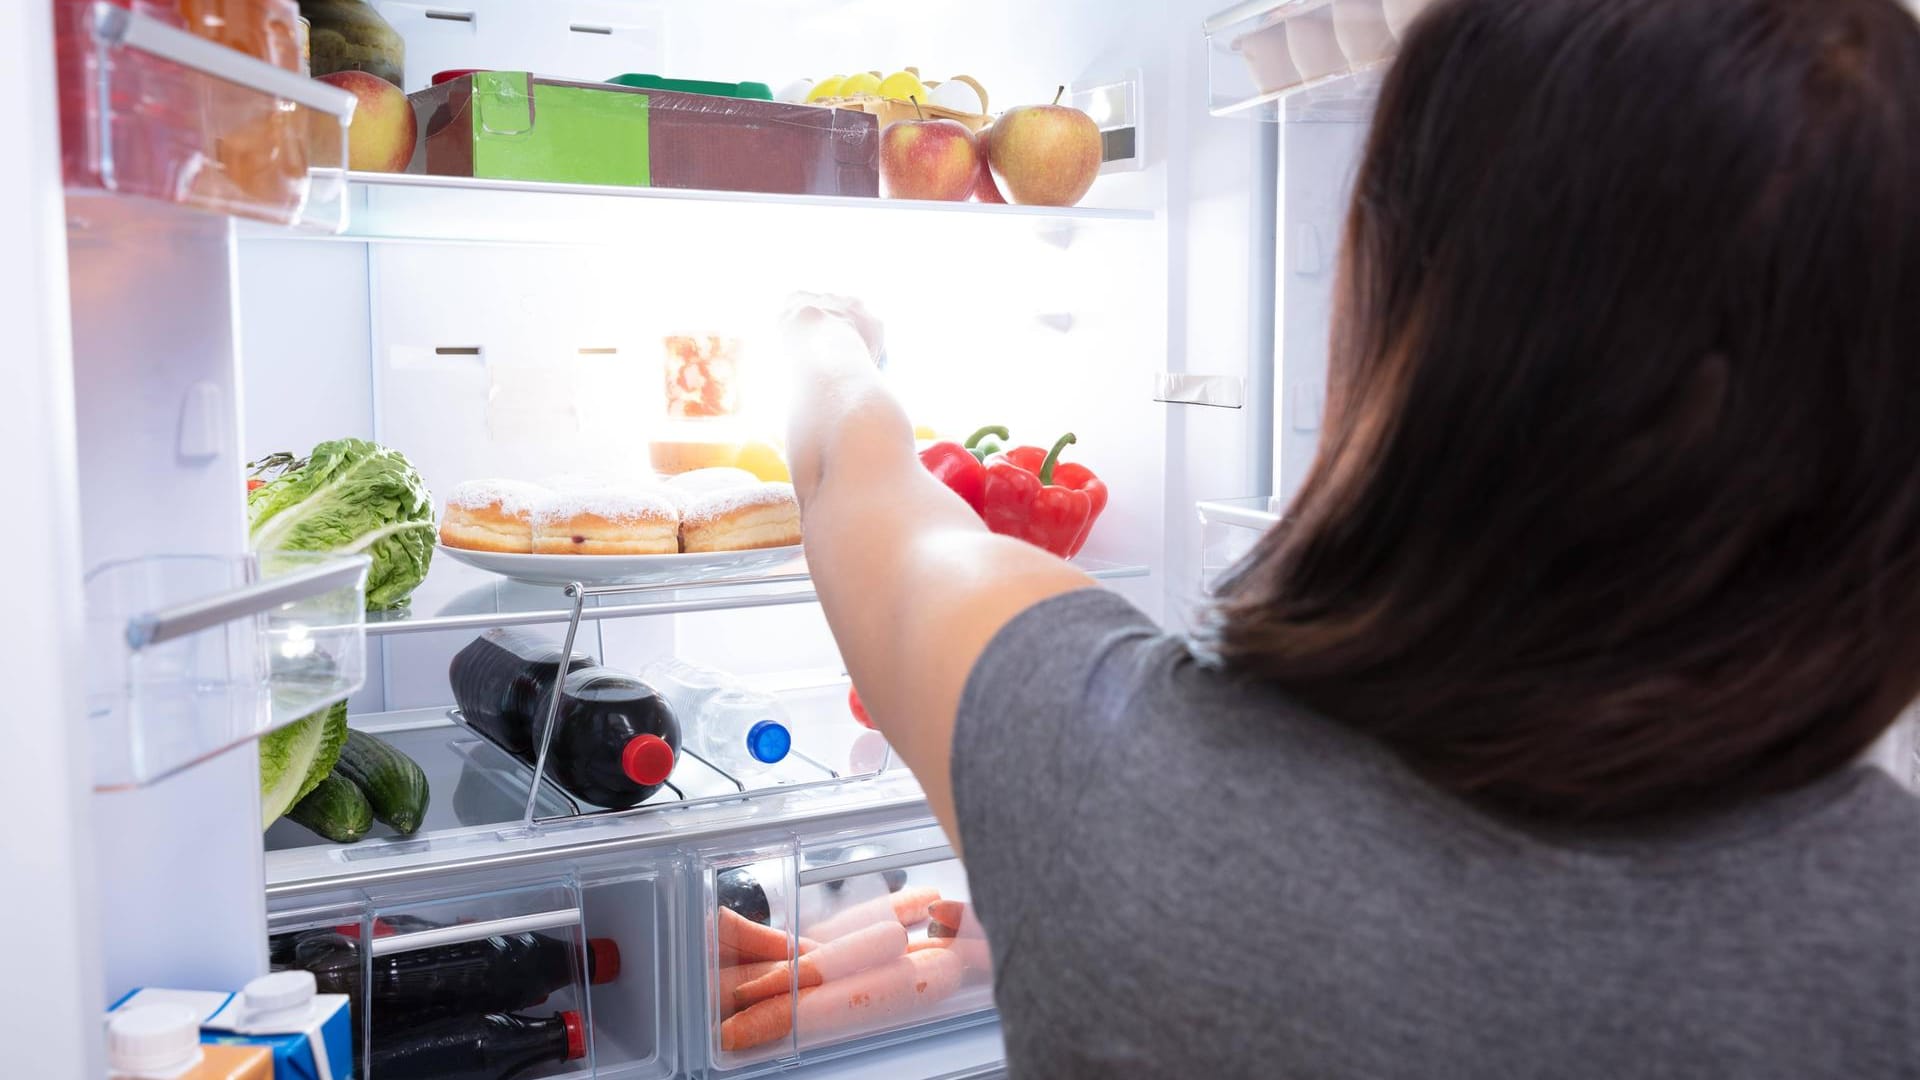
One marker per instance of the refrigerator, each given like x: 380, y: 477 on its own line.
x: 168, y: 332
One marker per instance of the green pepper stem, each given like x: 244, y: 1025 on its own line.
x: 983, y: 433
x: 1053, y: 458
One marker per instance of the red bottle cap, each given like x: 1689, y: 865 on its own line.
x: 454, y: 73
x: 647, y: 759
x: 576, y: 1035
x: 603, y: 960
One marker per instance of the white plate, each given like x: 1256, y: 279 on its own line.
x: 687, y: 568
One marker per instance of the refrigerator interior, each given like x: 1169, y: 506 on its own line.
x: 517, y: 330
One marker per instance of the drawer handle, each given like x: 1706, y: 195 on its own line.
x: 475, y: 931
x: 899, y: 860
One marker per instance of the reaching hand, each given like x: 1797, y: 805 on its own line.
x: 807, y: 312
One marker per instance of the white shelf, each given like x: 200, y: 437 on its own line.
x: 403, y: 207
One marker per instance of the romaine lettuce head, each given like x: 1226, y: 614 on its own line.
x: 351, y: 495
x: 295, y: 758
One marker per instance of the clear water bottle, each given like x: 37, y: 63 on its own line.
x: 741, y: 730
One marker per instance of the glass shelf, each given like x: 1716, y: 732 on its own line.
x: 1303, y: 60
x: 411, y: 208
x: 456, y: 596
x: 150, y: 110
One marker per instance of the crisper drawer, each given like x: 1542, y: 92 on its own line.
x: 467, y: 982
x: 836, y: 947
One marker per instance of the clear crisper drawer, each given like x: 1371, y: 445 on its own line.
x: 190, y: 655
x: 488, y: 983
x: 838, y: 947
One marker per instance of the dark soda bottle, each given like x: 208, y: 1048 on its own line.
x: 500, y: 678
x: 493, y: 1046
x: 614, y: 741
x: 741, y: 891
x: 496, y: 974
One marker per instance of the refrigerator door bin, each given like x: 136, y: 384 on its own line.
x: 879, y: 946
x: 1262, y: 52
x: 151, y: 110
x: 1229, y: 529
x: 194, y: 654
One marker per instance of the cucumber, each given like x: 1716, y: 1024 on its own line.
x: 392, y: 782
x: 335, y: 809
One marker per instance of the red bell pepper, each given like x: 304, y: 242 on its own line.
x: 1031, y: 494
x: 958, y: 465
x: 858, y: 708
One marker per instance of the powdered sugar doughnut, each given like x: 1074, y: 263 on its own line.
x: 491, y: 515
x: 606, y: 521
x: 741, y: 518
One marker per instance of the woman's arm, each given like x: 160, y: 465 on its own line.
x: 914, y: 586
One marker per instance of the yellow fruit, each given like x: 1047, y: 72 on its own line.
x: 902, y: 85
x: 763, y: 461
x: 826, y: 88
x: 922, y: 432
x: 856, y: 85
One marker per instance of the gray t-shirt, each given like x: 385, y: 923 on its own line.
x: 1185, y: 875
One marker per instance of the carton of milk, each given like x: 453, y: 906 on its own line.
x: 309, y: 1033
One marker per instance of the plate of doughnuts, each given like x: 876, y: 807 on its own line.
x: 698, y: 526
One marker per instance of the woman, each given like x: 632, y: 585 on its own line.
x: 1526, y: 746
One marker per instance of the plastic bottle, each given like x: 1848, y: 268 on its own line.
x: 741, y: 891
x: 741, y: 730
x: 614, y: 740
x: 495, y: 1046
x: 500, y: 678
x: 496, y: 974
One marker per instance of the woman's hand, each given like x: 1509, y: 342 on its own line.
x: 913, y: 584
x: 808, y: 313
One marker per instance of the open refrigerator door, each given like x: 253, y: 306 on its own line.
x: 510, y: 308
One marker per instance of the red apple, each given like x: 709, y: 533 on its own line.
x: 983, y: 189
x: 928, y: 159
x: 1045, y: 155
x: 383, y: 131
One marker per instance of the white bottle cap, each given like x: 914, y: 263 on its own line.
x: 284, y: 996
x: 153, y: 1039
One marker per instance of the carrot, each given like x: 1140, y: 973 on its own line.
x: 842, y: 956
x: 908, y: 907
x: 732, y: 977
x: 865, y: 1000
x: 972, y: 951
x: 761, y: 1023
x: 750, y: 941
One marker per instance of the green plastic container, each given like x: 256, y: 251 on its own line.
x: 751, y: 91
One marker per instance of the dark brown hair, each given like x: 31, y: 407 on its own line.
x: 1617, y: 508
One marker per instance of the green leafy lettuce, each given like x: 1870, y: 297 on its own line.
x: 351, y: 495
x: 294, y: 759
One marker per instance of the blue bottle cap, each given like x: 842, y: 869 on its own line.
x: 768, y: 742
